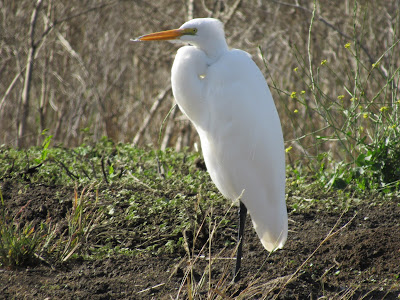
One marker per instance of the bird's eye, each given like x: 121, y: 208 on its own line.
x: 190, y: 31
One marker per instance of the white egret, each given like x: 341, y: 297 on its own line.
x: 226, y: 97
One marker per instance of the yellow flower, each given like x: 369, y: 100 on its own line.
x: 398, y: 101
x: 375, y: 64
x: 288, y: 149
x: 347, y: 46
x: 303, y: 92
x: 323, y: 62
x: 295, y: 111
x: 340, y: 97
x: 293, y: 95
x: 365, y: 115
x: 295, y: 69
x: 384, y: 108
x: 353, y: 98
x: 393, y: 126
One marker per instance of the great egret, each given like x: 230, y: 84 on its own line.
x: 226, y: 97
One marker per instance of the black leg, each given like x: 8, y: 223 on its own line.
x: 242, y: 221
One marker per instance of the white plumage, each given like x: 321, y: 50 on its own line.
x: 226, y: 97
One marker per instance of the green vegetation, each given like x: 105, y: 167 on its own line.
x: 349, y: 137
x: 159, y: 194
x: 161, y: 197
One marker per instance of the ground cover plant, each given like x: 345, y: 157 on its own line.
x: 111, y: 220
x: 92, y: 209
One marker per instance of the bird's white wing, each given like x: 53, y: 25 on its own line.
x: 242, y: 143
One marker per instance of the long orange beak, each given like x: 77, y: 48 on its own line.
x: 161, y: 36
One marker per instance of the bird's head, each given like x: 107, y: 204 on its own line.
x: 204, y: 33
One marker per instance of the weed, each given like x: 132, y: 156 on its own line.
x: 18, y: 245
x: 354, y: 134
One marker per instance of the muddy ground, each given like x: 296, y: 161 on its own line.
x: 353, y: 254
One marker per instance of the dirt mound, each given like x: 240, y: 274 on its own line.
x: 350, y: 254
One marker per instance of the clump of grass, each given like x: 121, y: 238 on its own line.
x: 82, y: 219
x: 18, y: 243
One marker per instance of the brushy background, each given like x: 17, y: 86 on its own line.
x: 69, y: 67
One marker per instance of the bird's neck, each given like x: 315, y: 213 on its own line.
x: 214, y: 50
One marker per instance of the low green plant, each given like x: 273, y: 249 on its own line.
x: 45, y: 146
x: 17, y: 245
x: 349, y: 135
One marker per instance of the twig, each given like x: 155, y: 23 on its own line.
x: 160, y: 168
x: 190, y: 9
x: 150, y: 288
x: 69, y: 173
x: 71, y: 252
x: 22, y: 208
x: 33, y: 169
x: 44, y: 261
x: 10, y: 87
x: 169, y: 130
x: 160, y: 98
x: 309, y: 46
x: 140, y: 182
x: 103, y: 170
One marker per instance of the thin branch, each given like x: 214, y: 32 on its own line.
x: 160, y: 98
x: 190, y: 10
x: 103, y: 170
x: 169, y: 131
x: 10, y: 87
x: 28, y: 76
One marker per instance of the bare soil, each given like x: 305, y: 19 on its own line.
x: 353, y: 254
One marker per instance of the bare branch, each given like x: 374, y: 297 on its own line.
x: 28, y: 76
x: 160, y: 98
x: 190, y: 10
